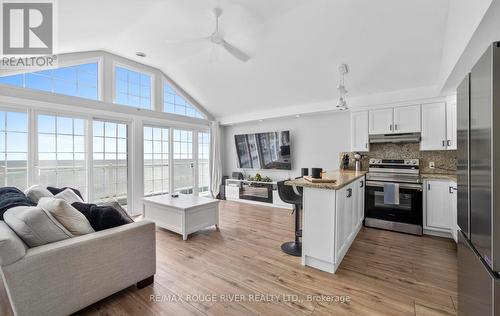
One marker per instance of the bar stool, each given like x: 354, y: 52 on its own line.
x: 288, y: 195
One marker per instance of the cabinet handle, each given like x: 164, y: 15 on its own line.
x: 450, y: 189
x: 390, y: 127
x: 361, y: 184
x: 395, y: 127
x: 448, y: 142
x: 349, y: 193
x: 366, y: 145
x: 444, y: 143
x: 428, y: 186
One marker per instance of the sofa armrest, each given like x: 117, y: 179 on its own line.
x: 66, y: 276
x: 12, y: 248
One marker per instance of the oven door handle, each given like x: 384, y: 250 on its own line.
x: 401, y: 185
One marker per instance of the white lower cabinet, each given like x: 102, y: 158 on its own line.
x: 350, y: 213
x: 342, y: 222
x: 440, y: 208
x: 331, y: 221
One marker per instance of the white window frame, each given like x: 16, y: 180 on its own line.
x: 198, y: 162
x: 35, y: 102
x: 62, y: 64
x: 7, y: 108
x: 164, y: 82
x: 139, y: 70
x: 170, y: 155
x: 128, y: 124
x: 34, y: 124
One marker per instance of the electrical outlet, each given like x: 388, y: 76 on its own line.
x: 432, y: 165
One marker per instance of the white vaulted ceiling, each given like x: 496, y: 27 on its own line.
x: 295, y: 46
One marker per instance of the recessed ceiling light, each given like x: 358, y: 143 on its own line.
x: 261, y: 121
x: 140, y: 54
x: 297, y: 115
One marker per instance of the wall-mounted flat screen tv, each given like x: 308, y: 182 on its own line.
x: 264, y: 150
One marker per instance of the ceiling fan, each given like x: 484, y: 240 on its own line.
x: 217, y: 38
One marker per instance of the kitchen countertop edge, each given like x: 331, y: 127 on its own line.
x: 343, y: 178
x: 439, y: 176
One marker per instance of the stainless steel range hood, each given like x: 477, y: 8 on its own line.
x: 395, y: 138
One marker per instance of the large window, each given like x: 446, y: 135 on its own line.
x: 13, y: 149
x: 61, y: 152
x: 156, y: 160
x: 79, y: 80
x: 110, y: 161
x: 174, y: 103
x: 132, y: 88
x: 203, y: 165
x: 183, y: 160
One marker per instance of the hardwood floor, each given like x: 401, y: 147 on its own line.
x: 384, y: 273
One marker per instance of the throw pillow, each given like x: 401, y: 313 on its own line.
x: 74, y: 221
x: 69, y: 196
x: 55, y: 191
x: 35, y: 226
x: 101, y: 217
x: 119, y: 208
x: 36, y: 192
x: 12, y: 197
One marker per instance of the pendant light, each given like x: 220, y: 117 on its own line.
x: 341, y: 103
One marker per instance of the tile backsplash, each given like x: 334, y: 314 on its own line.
x: 444, y: 160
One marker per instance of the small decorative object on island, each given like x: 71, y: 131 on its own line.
x: 316, y: 173
x: 345, y: 162
x: 304, y: 172
x: 357, y: 158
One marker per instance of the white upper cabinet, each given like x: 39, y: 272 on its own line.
x: 433, y: 126
x: 359, y: 131
x: 451, y: 126
x: 381, y: 121
x: 407, y: 119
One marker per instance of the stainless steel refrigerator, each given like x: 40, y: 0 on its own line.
x: 478, y: 155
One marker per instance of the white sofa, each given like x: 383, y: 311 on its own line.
x: 63, y: 277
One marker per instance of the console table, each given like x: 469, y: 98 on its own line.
x: 255, y: 192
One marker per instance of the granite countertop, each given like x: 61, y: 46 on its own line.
x: 439, y: 176
x: 343, y: 177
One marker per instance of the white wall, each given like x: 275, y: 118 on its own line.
x: 486, y: 33
x: 464, y: 17
x: 316, y: 142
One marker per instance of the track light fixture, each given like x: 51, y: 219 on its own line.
x: 341, y: 103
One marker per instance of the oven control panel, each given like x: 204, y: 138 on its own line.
x: 401, y: 162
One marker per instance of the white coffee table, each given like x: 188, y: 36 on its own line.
x: 184, y: 215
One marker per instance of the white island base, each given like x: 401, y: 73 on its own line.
x: 332, y: 219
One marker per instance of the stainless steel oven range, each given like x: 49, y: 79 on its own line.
x: 394, y: 195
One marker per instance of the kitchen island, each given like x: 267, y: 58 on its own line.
x: 332, y: 217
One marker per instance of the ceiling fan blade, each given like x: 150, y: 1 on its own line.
x: 236, y: 52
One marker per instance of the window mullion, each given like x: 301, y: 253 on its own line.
x: 31, y: 164
x: 195, y: 162
x: 171, y: 159
x: 89, y: 150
